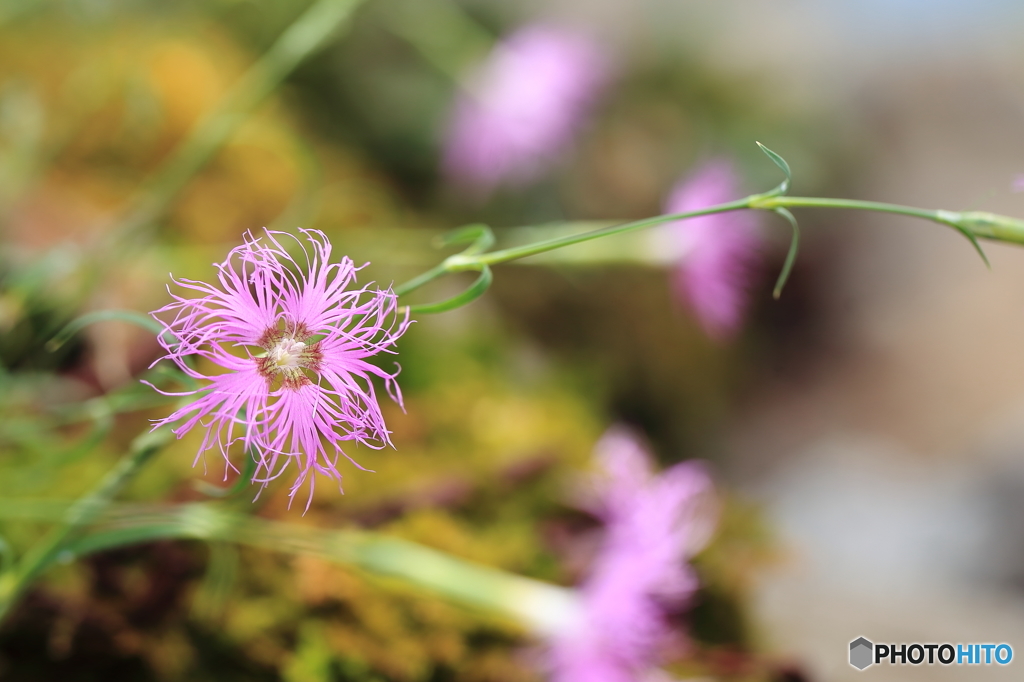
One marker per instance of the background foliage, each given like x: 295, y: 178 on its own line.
x: 504, y: 399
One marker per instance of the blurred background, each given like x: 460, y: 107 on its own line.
x: 866, y: 431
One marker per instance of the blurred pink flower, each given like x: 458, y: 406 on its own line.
x: 720, y: 252
x: 653, y: 524
x: 290, y: 341
x: 521, y: 107
x: 1018, y: 183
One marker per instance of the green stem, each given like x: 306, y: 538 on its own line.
x: 15, y: 581
x: 972, y: 224
x: 757, y: 201
x: 417, y: 282
x: 309, y: 32
x: 461, y: 262
x: 543, y: 607
x: 470, y: 259
x: 979, y: 224
x: 771, y: 203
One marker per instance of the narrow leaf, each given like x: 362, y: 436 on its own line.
x: 794, y: 246
x: 475, y: 291
x: 781, y: 163
x: 974, y: 241
x: 76, y: 325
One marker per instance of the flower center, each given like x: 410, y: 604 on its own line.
x: 286, y: 361
x: 286, y: 355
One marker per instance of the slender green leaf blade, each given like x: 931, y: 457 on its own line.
x: 475, y: 291
x: 778, y: 160
x: 76, y: 325
x: 794, y: 246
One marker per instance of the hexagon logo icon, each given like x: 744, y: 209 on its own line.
x: 861, y: 653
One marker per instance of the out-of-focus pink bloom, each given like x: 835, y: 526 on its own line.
x: 720, y: 251
x: 653, y: 524
x: 1018, y: 183
x: 290, y: 342
x: 521, y: 107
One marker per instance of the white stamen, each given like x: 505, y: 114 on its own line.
x: 287, y: 354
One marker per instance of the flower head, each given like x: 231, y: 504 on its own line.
x: 720, y: 250
x: 521, y: 107
x: 653, y: 523
x: 290, y: 341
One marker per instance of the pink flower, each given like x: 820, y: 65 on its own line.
x: 289, y: 343
x: 653, y: 524
x: 521, y: 107
x: 720, y: 250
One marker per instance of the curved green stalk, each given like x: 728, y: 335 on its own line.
x: 15, y: 580
x: 973, y: 225
x: 465, y: 262
x: 307, y: 34
x: 473, y: 292
x: 794, y: 246
x: 543, y: 607
x: 80, y: 323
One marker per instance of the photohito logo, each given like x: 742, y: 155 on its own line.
x: 861, y: 653
x: 865, y: 653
